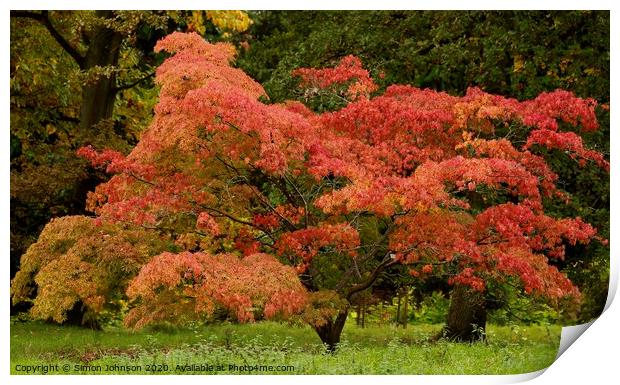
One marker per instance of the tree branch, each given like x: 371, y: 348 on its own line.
x: 225, y: 214
x: 43, y: 18
x: 369, y: 255
x: 302, y: 198
x: 373, y: 277
x: 221, y: 213
x: 127, y: 86
x: 28, y: 14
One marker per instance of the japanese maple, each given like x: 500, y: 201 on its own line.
x: 409, y: 177
x: 77, y: 266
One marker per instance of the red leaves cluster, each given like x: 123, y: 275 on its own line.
x: 468, y: 278
x: 548, y: 107
x: 195, y: 62
x: 568, y: 141
x: 510, y: 225
x: 303, y: 245
x: 428, y: 236
x: 348, y: 72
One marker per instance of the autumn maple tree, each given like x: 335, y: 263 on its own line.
x: 277, y: 211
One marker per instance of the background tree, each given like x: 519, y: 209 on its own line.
x: 89, y: 81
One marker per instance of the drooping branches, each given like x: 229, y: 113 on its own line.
x: 179, y: 287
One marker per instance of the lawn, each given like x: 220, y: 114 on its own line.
x: 271, y: 348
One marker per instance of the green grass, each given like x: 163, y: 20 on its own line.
x: 373, y: 350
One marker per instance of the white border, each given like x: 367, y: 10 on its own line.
x: 316, y: 4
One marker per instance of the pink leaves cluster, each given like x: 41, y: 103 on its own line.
x: 503, y: 149
x: 507, y: 240
x: 172, y: 287
x: 543, y: 112
x: 549, y: 107
x: 206, y: 222
x: 511, y: 225
x: 568, y: 141
x: 195, y: 62
x: 518, y: 242
x: 467, y: 173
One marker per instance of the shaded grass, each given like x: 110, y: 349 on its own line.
x: 373, y: 350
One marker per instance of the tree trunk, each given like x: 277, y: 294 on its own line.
x: 98, y: 95
x: 330, y: 332
x: 78, y: 315
x: 467, y: 315
x: 406, y: 309
x: 398, y: 308
x: 363, y: 313
x: 97, y: 100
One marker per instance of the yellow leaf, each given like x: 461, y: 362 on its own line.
x: 519, y: 63
x: 234, y: 21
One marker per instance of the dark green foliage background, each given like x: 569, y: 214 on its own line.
x: 443, y: 50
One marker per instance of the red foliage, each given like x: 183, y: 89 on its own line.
x: 282, y: 179
x: 348, y: 71
x: 568, y: 141
x: 305, y: 244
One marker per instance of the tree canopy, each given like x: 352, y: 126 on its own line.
x: 315, y: 206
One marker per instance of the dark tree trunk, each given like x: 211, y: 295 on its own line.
x: 330, y: 332
x: 104, y: 46
x: 98, y: 95
x: 363, y: 313
x: 405, y: 319
x: 467, y: 315
x: 78, y: 315
x: 399, y: 295
x: 98, y: 98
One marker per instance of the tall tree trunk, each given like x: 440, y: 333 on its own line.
x: 98, y: 98
x: 406, y: 309
x: 330, y: 332
x: 98, y: 95
x: 363, y: 313
x: 399, y: 295
x: 467, y: 315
